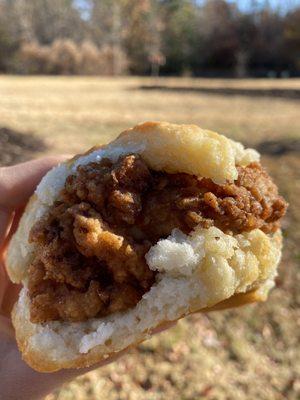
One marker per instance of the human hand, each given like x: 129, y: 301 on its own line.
x: 18, y: 380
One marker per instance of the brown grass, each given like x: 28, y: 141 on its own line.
x: 249, y: 353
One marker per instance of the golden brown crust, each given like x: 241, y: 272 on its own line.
x: 178, y: 148
x: 238, y: 300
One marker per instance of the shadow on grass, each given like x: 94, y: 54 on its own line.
x: 281, y: 93
x: 279, y: 147
x: 17, y: 147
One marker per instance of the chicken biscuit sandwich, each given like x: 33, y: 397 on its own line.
x: 164, y: 221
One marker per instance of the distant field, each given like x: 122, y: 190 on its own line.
x: 249, y: 353
x: 71, y: 113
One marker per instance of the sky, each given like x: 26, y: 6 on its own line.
x: 282, y: 5
x: 247, y: 5
x: 244, y: 5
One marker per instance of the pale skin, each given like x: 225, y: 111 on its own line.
x: 17, y: 379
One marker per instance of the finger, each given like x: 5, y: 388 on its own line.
x: 10, y: 299
x: 8, y: 291
x: 6, y: 327
x: 18, y: 182
x: 3, y: 283
x: 11, y: 229
x: 9, y: 296
x: 5, y: 222
x: 16, y: 185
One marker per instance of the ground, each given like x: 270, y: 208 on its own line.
x: 247, y: 353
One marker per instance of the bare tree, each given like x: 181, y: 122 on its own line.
x: 44, y: 20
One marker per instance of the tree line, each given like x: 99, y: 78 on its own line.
x: 169, y: 37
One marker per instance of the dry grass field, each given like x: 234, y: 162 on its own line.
x: 249, y: 353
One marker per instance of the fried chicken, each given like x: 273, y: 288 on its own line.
x: 91, y: 245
